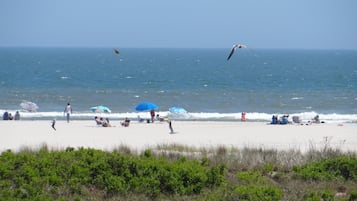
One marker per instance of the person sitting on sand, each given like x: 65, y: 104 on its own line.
x: 316, y: 119
x: 126, y: 122
x: 140, y: 119
x: 17, y: 115
x: 274, y: 119
x: 10, y: 116
x: 284, y: 119
x: 159, y: 118
x: 5, y: 116
x: 98, y: 121
x: 105, y: 122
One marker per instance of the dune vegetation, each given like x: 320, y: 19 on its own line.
x: 176, y: 172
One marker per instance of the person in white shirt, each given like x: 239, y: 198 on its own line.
x: 68, y: 111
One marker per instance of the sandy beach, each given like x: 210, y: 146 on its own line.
x: 16, y: 135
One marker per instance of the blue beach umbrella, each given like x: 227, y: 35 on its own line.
x: 100, y: 109
x: 177, y: 110
x: 145, y: 106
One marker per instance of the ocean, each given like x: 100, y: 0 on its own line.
x: 260, y: 82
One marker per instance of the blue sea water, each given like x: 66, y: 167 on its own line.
x: 260, y: 82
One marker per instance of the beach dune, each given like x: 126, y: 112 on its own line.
x: 16, y: 135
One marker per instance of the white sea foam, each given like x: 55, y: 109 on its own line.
x: 297, y: 98
x: 199, y: 116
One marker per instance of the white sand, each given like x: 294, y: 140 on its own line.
x: 19, y: 134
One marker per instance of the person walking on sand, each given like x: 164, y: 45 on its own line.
x: 53, y: 124
x: 68, y: 111
x: 170, y: 127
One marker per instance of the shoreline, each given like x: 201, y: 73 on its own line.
x: 17, y: 135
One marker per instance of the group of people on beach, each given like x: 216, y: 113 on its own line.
x: 282, y: 120
x: 295, y: 119
x: 102, y: 122
x: 8, y: 116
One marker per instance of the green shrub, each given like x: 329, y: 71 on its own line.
x: 312, y: 196
x: 336, y: 168
x: 317, y: 196
x: 254, y: 187
x: 45, y: 175
x: 327, y: 196
x: 251, y: 177
x: 258, y: 193
x: 353, y: 196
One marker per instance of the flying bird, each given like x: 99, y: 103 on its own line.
x: 234, y: 48
x: 116, y: 51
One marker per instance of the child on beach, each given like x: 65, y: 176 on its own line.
x: 53, y: 124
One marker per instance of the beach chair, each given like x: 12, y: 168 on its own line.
x: 296, y: 119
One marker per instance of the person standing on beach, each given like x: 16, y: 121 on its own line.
x: 68, y: 111
x: 170, y: 127
x: 152, y: 113
x: 243, y: 116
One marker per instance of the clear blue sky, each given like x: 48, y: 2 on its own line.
x: 307, y: 24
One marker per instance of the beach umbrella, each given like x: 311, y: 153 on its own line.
x: 29, y: 106
x: 100, y: 109
x: 177, y: 110
x: 145, y: 106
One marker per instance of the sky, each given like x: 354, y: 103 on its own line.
x: 288, y: 24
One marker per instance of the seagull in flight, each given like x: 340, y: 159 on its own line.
x: 234, y: 48
x: 116, y: 51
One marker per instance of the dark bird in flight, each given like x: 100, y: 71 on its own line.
x: 234, y: 48
x: 116, y: 51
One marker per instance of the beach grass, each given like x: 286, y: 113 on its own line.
x: 269, y: 173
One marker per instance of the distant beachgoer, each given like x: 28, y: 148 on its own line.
x: 243, y: 116
x: 126, y: 122
x: 105, y: 122
x: 158, y: 118
x: 284, y: 119
x: 170, y: 127
x: 152, y: 113
x: 5, y: 116
x: 274, y: 119
x: 140, y: 119
x: 17, y: 115
x: 317, y: 119
x: 68, y: 111
x: 98, y: 121
x: 53, y: 124
x: 10, y: 116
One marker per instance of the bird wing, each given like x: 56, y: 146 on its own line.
x: 231, y: 53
